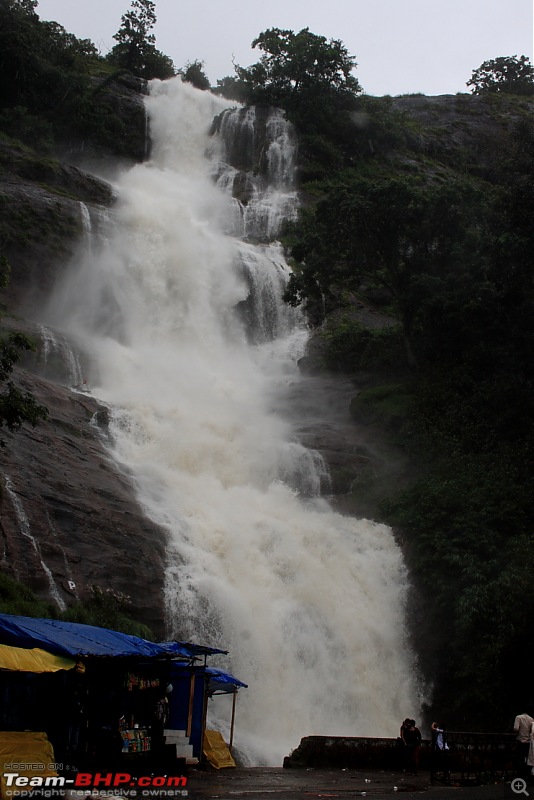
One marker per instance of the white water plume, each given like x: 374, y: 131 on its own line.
x: 309, y: 604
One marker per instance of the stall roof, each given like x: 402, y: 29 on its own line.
x: 195, y: 649
x: 218, y: 679
x: 74, y: 639
x: 20, y: 659
x: 221, y: 681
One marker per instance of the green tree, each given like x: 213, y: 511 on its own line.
x: 306, y: 75
x: 194, y: 73
x: 16, y: 405
x: 397, y: 241
x: 293, y: 62
x: 135, y: 50
x: 28, y: 6
x: 508, y: 74
x: 232, y: 88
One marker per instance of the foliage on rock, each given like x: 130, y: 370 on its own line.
x: 103, y: 608
x: 56, y: 88
x: 194, y: 74
x: 16, y: 405
x: 433, y: 230
x: 508, y: 74
x: 135, y: 50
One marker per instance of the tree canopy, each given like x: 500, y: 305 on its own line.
x: 304, y: 74
x: 194, y: 74
x: 16, y: 405
x: 508, y: 74
x: 440, y: 242
x: 397, y: 239
x: 136, y: 49
x: 293, y: 62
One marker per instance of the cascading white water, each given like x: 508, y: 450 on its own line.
x: 308, y: 603
x: 58, y: 359
x: 25, y: 529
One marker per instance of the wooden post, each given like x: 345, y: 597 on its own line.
x: 234, y: 699
x: 204, y: 720
x: 191, y: 703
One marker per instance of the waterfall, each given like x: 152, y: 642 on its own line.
x: 58, y: 361
x: 180, y: 314
x: 24, y: 526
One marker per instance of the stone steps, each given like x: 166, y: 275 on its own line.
x: 180, y: 740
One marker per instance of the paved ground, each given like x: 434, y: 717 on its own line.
x: 261, y: 783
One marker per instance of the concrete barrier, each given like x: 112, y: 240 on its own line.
x: 471, y: 757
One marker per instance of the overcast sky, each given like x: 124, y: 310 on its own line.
x: 401, y: 46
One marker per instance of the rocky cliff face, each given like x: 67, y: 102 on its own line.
x: 69, y: 518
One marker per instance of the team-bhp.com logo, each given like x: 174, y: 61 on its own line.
x: 108, y: 783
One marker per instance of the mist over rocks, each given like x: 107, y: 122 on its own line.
x: 40, y: 221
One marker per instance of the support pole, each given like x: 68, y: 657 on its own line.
x: 204, y: 722
x: 234, y: 700
x: 191, y: 703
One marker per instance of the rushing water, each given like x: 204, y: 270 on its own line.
x: 25, y: 529
x: 178, y: 309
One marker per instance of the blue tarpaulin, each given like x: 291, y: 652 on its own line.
x: 75, y: 639
x: 221, y: 681
x: 194, y: 649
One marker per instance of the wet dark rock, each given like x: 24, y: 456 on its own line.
x: 69, y: 518
x: 41, y: 220
x: 77, y: 521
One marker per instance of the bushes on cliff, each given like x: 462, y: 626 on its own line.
x: 103, y: 608
x: 16, y: 405
x: 401, y: 240
x: 448, y: 252
x: 107, y: 608
x: 50, y: 76
x: 15, y: 598
x: 506, y: 74
x: 135, y: 49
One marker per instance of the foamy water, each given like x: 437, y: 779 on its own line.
x: 309, y: 603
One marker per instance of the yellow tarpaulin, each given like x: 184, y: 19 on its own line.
x: 35, y: 660
x: 32, y: 754
x: 216, y: 750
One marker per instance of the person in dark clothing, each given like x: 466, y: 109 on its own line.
x: 412, y: 744
x: 403, y: 728
x: 401, y: 745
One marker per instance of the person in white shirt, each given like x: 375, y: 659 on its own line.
x: 440, y: 767
x: 522, y: 727
x: 530, y: 756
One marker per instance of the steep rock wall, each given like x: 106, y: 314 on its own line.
x: 69, y: 519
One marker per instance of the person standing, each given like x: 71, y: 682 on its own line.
x: 412, y: 740
x: 530, y: 756
x: 403, y: 728
x: 439, y: 753
x: 522, y: 728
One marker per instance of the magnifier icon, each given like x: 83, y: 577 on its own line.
x: 519, y: 786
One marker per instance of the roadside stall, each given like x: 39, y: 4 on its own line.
x: 192, y: 687
x: 96, y: 694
